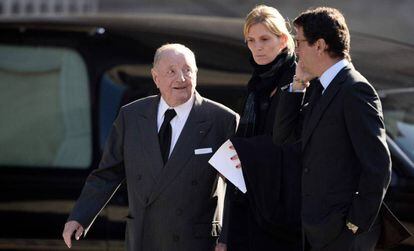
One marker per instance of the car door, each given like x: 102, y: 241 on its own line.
x: 47, y: 137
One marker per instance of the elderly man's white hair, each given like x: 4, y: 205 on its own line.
x: 176, y: 47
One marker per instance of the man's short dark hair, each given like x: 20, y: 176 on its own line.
x: 328, y: 24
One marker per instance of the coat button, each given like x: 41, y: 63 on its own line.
x: 194, y: 182
x: 176, y: 238
x: 139, y: 177
x: 179, y: 211
x: 306, y: 170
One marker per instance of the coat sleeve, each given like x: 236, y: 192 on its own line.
x: 365, y: 126
x: 103, y: 182
x: 223, y: 216
x: 287, y: 126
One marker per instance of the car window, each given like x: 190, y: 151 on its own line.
x: 44, y: 108
x: 398, y: 107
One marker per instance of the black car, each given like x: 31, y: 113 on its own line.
x: 63, y: 80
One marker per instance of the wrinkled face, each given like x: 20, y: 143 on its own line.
x: 307, y: 53
x: 263, y: 44
x: 175, y: 75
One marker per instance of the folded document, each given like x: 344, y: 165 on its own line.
x: 222, y: 162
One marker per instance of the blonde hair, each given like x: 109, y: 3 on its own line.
x: 274, y: 22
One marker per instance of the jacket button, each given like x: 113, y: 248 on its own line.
x: 176, y: 238
x: 179, y: 211
x: 146, y: 200
x: 194, y: 182
x: 139, y: 177
x: 306, y: 170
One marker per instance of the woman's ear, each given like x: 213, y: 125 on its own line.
x: 283, y: 41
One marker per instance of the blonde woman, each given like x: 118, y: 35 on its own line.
x: 268, y: 216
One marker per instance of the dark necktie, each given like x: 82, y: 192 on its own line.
x: 164, y: 135
x: 317, y: 92
x: 316, y: 96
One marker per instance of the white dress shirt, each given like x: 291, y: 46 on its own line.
x: 327, y: 77
x: 178, y: 122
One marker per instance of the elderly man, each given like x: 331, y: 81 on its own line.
x: 160, y: 146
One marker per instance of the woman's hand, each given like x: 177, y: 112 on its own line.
x: 221, y: 247
x: 235, y: 157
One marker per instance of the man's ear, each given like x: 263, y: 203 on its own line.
x: 154, y: 76
x: 321, y: 45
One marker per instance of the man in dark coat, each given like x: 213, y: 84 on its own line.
x: 160, y: 146
x: 346, y: 161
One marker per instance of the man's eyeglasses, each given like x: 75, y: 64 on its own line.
x: 298, y: 41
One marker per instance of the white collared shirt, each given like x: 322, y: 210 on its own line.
x: 327, y: 77
x: 178, y: 122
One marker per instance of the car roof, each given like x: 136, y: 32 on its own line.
x: 385, y: 62
x: 230, y: 28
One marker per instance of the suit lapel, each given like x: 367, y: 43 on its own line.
x: 194, y: 131
x: 309, y: 106
x: 149, y: 137
x: 317, y: 110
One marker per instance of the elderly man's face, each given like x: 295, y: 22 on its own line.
x: 175, y: 75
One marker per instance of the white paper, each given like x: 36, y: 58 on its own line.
x: 222, y: 162
x: 203, y: 151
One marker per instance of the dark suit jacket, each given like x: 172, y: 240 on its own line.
x: 346, y: 162
x: 171, y: 207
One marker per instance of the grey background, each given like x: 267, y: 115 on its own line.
x: 385, y: 18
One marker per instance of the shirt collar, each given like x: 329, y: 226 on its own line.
x: 331, y: 73
x: 181, y: 110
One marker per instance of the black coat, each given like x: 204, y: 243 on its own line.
x: 267, y: 217
x: 346, y: 162
x: 272, y: 175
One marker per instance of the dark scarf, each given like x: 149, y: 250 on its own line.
x: 260, y: 86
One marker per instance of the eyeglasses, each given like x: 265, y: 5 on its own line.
x: 297, y: 41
